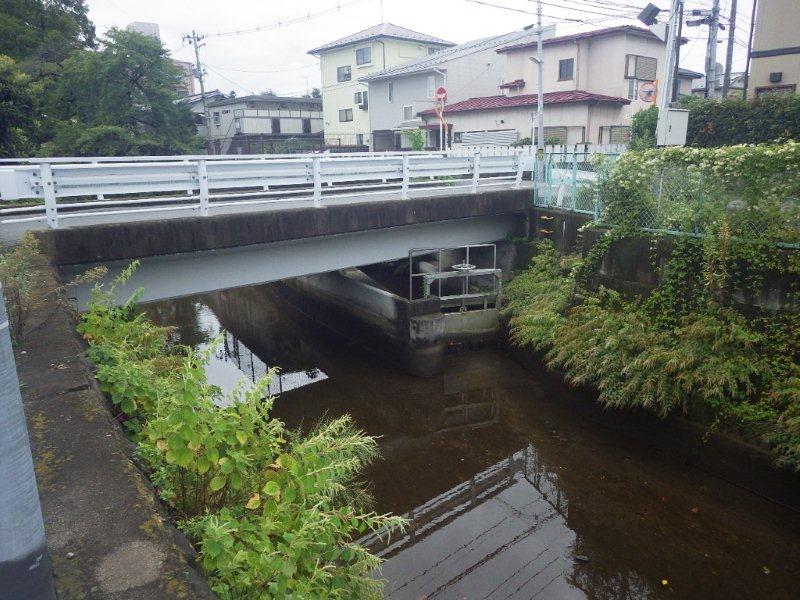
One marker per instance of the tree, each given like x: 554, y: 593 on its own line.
x: 17, y: 109
x: 42, y: 33
x: 315, y: 93
x: 643, y: 129
x: 120, y: 100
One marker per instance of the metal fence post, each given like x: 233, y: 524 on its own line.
x: 25, y: 568
x: 49, y: 190
x: 520, y: 164
x: 476, y: 170
x: 406, y: 177
x: 202, y: 177
x: 574, y: 176
x: 317, y: 163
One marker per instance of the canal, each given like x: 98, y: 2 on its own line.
x: 511, y: 494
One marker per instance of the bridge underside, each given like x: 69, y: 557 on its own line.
x: 181, y: 257
x: 211, y: 270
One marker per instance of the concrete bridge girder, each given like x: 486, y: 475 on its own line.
x: 186, y: 274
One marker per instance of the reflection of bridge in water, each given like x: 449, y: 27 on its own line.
x: 501, y: 534
x: 254, y: 368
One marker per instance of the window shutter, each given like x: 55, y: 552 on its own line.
x: 646, y: 68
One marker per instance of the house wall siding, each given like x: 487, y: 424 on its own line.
x: 776, y: 27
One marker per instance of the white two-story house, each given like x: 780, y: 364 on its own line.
x: 401, y: 94
x: 344, y: 62
x: 591, y: 86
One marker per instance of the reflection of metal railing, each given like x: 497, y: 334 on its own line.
x: 254, y: 368
x: 524, y: 465
x: 461, y: 272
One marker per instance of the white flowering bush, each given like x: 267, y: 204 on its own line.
x: 756, y: 187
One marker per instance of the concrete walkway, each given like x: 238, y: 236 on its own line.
x: 107, y: 533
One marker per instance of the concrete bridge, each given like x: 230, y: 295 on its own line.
x: 200, y: 224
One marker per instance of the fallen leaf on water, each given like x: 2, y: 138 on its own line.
x: 695, y: 510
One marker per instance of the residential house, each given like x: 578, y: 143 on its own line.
x: 343, y: 62
x: 735, y: 90
x: 402, y: 93
x: 775, y: 56
x: 195, y: 104
x: 591, y: 80
x: 264, y: 124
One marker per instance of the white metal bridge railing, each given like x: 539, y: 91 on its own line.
x: 73, y: 188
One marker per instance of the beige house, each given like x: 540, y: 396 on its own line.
x: 591, y: 80
x: 345, y: 99
x: 775, y: 57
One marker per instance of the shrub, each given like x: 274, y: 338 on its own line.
x: 272, y: 512
x: 416, y: 138
x: 714, y: 122
x: 643, y: 129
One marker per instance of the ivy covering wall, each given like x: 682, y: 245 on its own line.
x: 691, y: 346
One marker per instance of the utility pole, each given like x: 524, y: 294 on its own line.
x: 749, y: 50
x: 676, y: 82
x: 539, y: 60
x: 665, y: 88
x: 200, y: 75
x: 726, y: 82
x: 711, y: 51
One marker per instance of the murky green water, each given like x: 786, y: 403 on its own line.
x: 511, y: 493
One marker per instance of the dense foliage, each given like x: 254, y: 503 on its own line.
x: 643, y: 129
x: 716, y: 122
x: 690, y: 189
x: 272, y: 511
x: 62, y: 93
x: 688, y: 347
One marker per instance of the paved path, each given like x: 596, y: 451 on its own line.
x: 106, y: 532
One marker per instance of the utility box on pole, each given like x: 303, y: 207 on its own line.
x: 673, y: 133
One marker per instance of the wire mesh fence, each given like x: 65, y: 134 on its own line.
x: 570, y: 180
x: 669, y: 198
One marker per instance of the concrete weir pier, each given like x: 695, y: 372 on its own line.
x: 413, y: 332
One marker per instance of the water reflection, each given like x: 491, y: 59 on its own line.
x: 198, y: 326
x: 504, y: 484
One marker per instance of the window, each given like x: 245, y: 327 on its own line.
x: 343, y: 74
x: 225, y: 112
x: 237, y: 123
x: 360, y: 99
x: 642, y: 68
x: 199, y: 119
x: 359, y: 139
x: 345, y: 115
x: 216, y: 118
x: 552, y: 135
x: 566, y: 68
x: 391, y: 92
x: 457, y: 137
x: 408, y: 113
x: 432, y: 50
x: 633, y: 87
x: 306, y: 125
x: 776, y: 89
x: 364, y: 56
x: 431, y: 86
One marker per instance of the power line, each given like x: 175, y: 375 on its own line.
x: 295, y: 68
x: 288, y: 21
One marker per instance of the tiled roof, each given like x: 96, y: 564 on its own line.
x: 688, y: 73
x: 493, y: 102
x: 442, y: 56
x: 387, y: 30
x: 632, y: 29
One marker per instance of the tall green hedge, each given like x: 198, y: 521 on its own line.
x: 734, y: 121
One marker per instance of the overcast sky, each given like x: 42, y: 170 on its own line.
x: 276, y: 57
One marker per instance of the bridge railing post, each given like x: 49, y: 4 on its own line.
x: 406, y: 177
x: 202, y: 178
x: 317, y: 172
x: 49, y: 191
x: 520, y: 165
x: 476, y: 170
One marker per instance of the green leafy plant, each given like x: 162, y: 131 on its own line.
x: 416, y: 138
x: 273, y: 512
